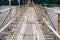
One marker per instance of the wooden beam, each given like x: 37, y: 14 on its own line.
x: 9, y: 3
x: 7, y: 25
x: 19, y: 2
x: 6, y: 9
x: 58, y: 25
x: 51, y: 28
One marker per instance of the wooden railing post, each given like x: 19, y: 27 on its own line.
x: 57, y: 32
x: 58, y: 24
x: 19, y: 2
x: 45, y: 18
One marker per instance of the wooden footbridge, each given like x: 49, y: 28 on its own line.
x: 29, y: 22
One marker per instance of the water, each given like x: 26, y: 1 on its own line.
x: 3, y: 14
x: 51, y: 13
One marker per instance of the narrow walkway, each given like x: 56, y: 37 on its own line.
x: 30, y: 29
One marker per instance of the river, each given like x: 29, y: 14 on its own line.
x: 52, y: 14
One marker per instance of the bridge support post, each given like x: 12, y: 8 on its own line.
x: 58, y: 23
x: 19, y: 2
x: 58, y: 28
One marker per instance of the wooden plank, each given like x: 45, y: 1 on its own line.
x: 36, y: 28
x: 28, y: 31
x: 5, y: 10
x: 40, y: 35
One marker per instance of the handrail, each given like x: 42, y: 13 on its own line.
x: 14, y: 18
x: 49, y: 9
x: 49, y: 18
x: 7, y: 25
x: 5, y: 9
x: 6, y: 15
x: 5, y: 18
x: 51, y: 28
x: 47, y: 23
x: 18, y: 29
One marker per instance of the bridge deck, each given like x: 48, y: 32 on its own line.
x: 30, y: 28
